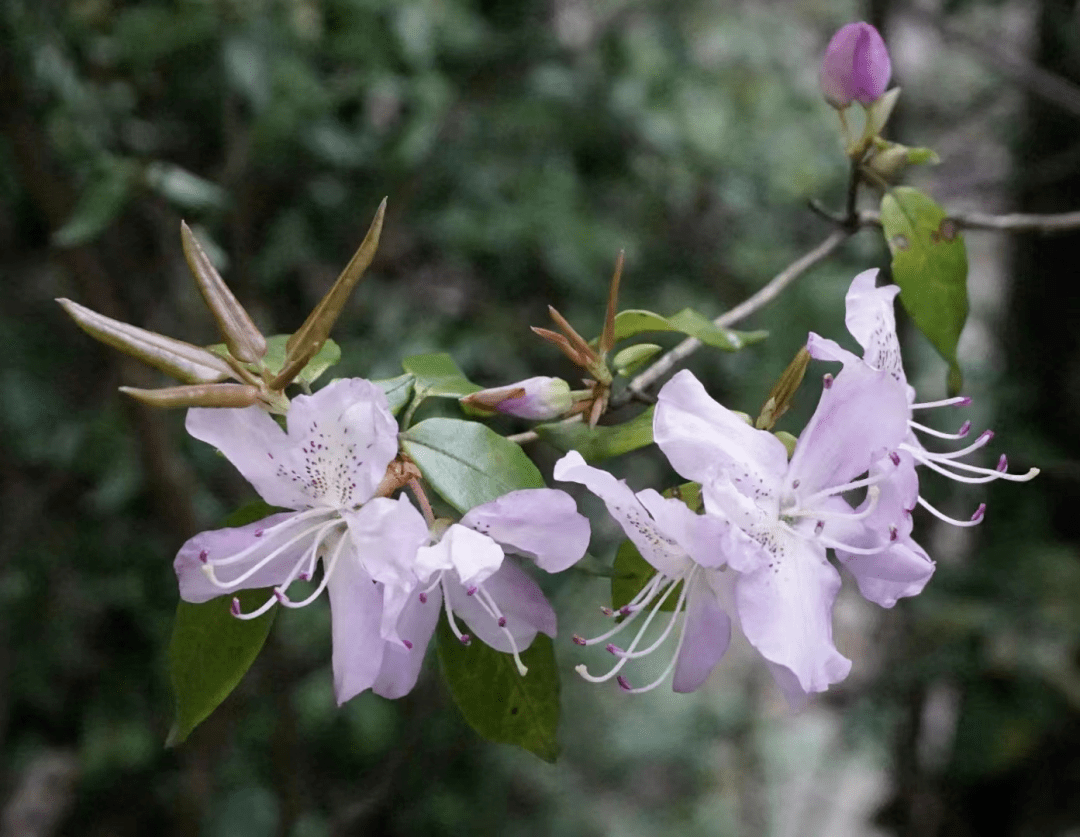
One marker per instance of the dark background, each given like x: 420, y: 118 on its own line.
x: 521, y: 145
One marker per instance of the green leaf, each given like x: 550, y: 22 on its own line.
x: 689, y: 322
x: 689, y: 493
x: 633, y: 357
x: 632, y: 573
x: 184, y: 189
x: 327, y: 356
x: 598, y: 443
x: 438, y: 375
x: 468, y: 463
x: 211, y: 649
x: 498, y: 702
x: 398, y: 390
x: 108, y: 192
x: 929, y: 263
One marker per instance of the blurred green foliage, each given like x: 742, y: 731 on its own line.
x: 521, y: 145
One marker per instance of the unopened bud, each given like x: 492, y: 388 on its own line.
x: 539, y: 399
x: 856, y: 66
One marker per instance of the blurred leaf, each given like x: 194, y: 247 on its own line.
x: 108, y: 192
x: 327, y: 356
x: 632, y: 573
x: 182, y: 188
x: 689, y: 493
x: 498, y: 702
x: 929, y: 263
x: 398, y: 390
x: 689, y: 322
x: 596, y: 444
x: 211, y: 649
x: 468, y: 463
x: 437, y: 374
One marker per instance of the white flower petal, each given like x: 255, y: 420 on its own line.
x: 387, y: 534
x: 654, y: 545
x: 539, y: 523
x: 785, y: 609
x: 400, y: 664
x: 708, y: 634
x: 356, y: 613
x: 520, y: 600
x: 900, y: 571
x: 700, y: 437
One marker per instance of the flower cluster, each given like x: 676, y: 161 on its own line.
x: 387, y: 569
x: 759, y: 551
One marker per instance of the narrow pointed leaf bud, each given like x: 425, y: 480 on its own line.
x: 183, y: 361
x: 316, y: 328
x: 244, y: 340
x: 783, y: 391
x: 197, y: 395
x: 607, y: 337
x: 539, y: 399
x: 856, y: 66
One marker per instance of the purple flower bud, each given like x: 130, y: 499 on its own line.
x: 539, y: 399
x: 856, y: 66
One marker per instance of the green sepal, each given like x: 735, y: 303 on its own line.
x: 596, y: 444
x: 632, y: 573
x: 210, y: 649
x: 929, y: 263
x: 398, y: 390
x: 498, y: 702
x: 689, y: 322
x: 468, y: 463
x: 437, y: 375
x: 274, y: 359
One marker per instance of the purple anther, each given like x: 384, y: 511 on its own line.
x: 980, y: 512
x: 623, y: 682
x: 894, y: 533
x: 304, y: 576
x: 607, y: 611
x: 964, y: 401
x: 204, y: 556
x: 818, y: 527
x: 625, y: 610
x: 895, y: 457
x: 280, y: 595
x: 612, y: 648
x: 407, y: 644
x: 471, y: 591
x: 986, y: 436
x: 423, y: 597
x: 1003, y: 463
x: 964, y: 428
x: 502, y: 621
x: 795, y: 483
x: 826, y: 380
x: 579, y: 639
x: 465, y: 639
x: 234, y: 608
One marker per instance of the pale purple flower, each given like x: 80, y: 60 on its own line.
x: 785, y: 587
x: 855, y: 67
x: 684, y: 548
x: 904, y: 569
x: 375, y: 552
x: 538, y: 399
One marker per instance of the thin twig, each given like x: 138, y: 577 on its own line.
x: 1015, y: 222
x: 744, y: 309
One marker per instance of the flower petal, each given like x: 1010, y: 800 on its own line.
x: 401, y: 664
x: 860, y: 418
x: 654, y: 545
x: 356, y: 614
x: 473, y: 556
x: 706, y: 538
x: 785, y: 609
x: 708, y: 634
x: 262, y: 537
x: 387, y: 533
x: 900, y: 571
x: 346, y: 435
x: 521, y: 601
x: 871, y: 319
x: 255, y: 445
x: 539, y: 523
x: 699, y: 437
